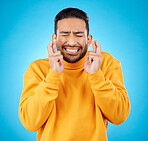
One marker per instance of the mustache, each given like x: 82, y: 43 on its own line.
x: 71, y: 46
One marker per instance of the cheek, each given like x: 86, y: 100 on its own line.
x: 84, y: 43
x: 61, y: 40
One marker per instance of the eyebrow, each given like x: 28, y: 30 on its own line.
x: 79, y: 32
x: 66, y: 32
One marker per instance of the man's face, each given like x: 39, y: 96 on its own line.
x: 72, y: 39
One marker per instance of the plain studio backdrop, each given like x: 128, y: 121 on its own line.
x: 120, y: 26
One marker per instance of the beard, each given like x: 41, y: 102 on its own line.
x: 72, y: 58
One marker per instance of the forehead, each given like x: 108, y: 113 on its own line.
x: 71, y: 24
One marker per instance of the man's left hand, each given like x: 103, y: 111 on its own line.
x: 93, y: 59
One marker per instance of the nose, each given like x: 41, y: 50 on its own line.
x: 72, y: 40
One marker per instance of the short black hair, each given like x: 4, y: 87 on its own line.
x: 71, y: 13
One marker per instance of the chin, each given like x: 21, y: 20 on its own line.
x: 71, y: 60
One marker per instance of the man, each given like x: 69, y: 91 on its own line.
x: 72, y: 94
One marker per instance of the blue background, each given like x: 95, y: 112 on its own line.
x: 26, y: 28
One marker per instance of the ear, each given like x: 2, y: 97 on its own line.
x: 89, y: 39
x: 54, y: 36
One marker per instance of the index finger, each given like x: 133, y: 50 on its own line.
x: 98, y: 48
x: 54, y: 42
x: 49, y: 48
x: 94, y: 46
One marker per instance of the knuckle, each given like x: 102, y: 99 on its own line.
x: 58, y: 52
x: 92, y: 55
x: 49, y: 55
x: 51, y: 59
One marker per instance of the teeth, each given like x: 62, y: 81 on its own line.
x: 70, y: 50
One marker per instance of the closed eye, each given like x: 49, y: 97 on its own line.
x: 79, y: 35
x: 64, y: 35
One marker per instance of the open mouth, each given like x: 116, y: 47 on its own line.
x: 72, y: 50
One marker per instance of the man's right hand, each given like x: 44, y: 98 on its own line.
x: 55, y: 58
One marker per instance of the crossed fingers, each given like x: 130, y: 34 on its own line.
x: 52, y: 53
x: 96, y: 47
x: 51, y: 47
x: 93, y: 56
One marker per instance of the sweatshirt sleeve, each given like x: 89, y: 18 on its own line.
x: 110, y: 94
x: 38, y: 97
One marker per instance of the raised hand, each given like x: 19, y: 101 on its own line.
x: 55, y: 58
x: 93, y: 59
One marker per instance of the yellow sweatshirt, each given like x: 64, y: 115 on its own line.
x: 73, y: 105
